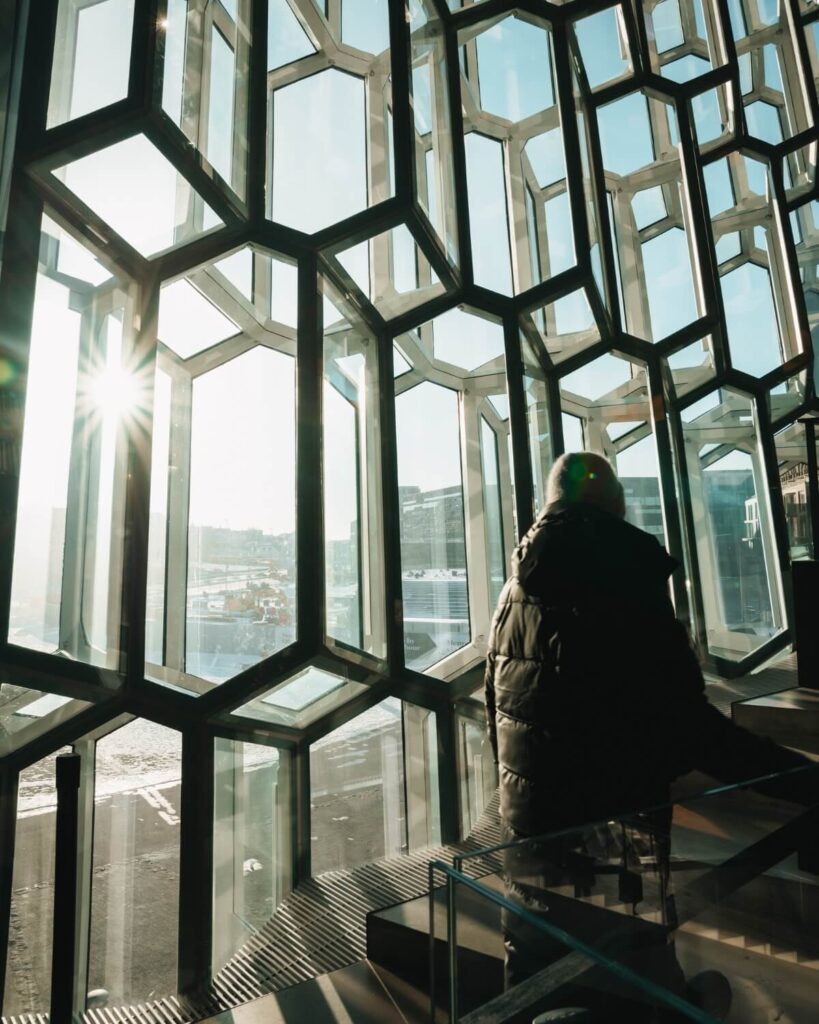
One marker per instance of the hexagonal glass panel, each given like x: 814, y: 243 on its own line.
x: 92, y: 57
x: 28, y: 971
x: 251, y: 839
x: 603, y: 45
x: 84, y: 395
x: 137, y: 773
x: 204, y: 82
x: 26, y: 714
x: 353, y: 517
x: 650, y: 232
x: 754, y: 274
x: 330, y: 122
x: 606, y: 408
x: 392, y: 271
x: 739, y: 574
x: 372, y: 789
x: 692, y: 366
x: 792, y: 465
x: 139, y: 194
x: 787, y: 396
x: 772, y: 91
x: 221, y: 565
x: 517, y: 190
x: 567, y: 325
x: 455, y: 488
x: 302, y: 698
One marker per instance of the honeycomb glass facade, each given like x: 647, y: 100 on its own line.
x: 299, y: 300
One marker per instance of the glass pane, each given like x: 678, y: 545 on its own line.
x: 741, y: 590
x: 222, y: 537
x: 692, y: 366
x: 603, y: 46
x: 133, y: 188
x: 26, y: 714
x: 650, y: 231
x: 453, y: 512
x: 392, y: 271
x: 83, y: 394
x: 303, y: 698
x: 330, y: 122
x: 135, y: 874
x: 791, y: 458
x: 566, y: 326
x: 357, y: 791
x: 754, y: 272
x: 521, y: 229
x: 352, y: 486
x: 92, y: 57
x: 204, y: 81
x: 250, y: 837
x: 478, y: 772
x: 28, y: 965
x: 433, y: 542
x: 241, y: 585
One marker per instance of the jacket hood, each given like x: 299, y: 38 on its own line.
x: 579, y: 544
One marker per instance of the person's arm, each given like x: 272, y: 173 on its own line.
x: 709, y: 741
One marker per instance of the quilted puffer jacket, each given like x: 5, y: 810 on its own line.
x: 595, y: 701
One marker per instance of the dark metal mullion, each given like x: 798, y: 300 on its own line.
x: 138, y: 484
x: 521, y: 459
x: 571, y: 143
x: 310, y: 554
x: 257, y: 113
x: 605, y: 230
x: 403, y: 128
x: 8, y: 823
x: 659, y: 395
x: 704, y: 245
x: 449, y: 790
x: 689, y: 534
x: 17, y: 284
x: 393, y: 610
x: 196, y: 863
x: 458, y: 152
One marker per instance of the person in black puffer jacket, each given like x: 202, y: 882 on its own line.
x: 595, y: 703
x: 595, y: 700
